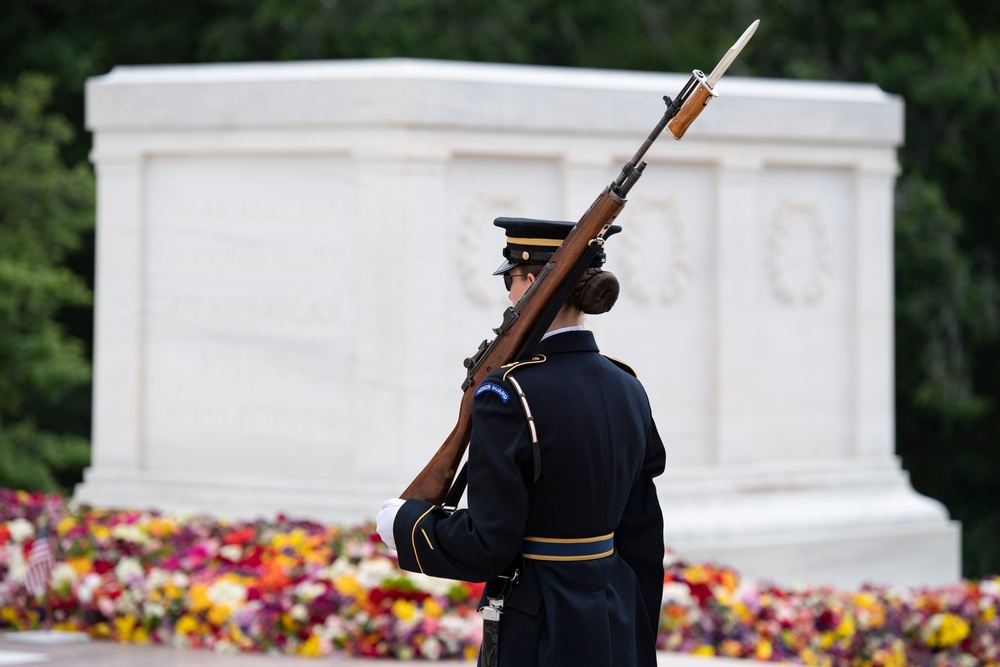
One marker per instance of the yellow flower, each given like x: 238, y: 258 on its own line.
x: 172, y: 591
x: 742, y: 611
x: 140, y: 636
x: 846, y: 627
x: 432, y: 609
x: 8, y: 614
x: 348, y: 585
x: 65, y: 525
x: 404, y: 610
x: 809, y: 657
x: 704, y: 649
x: 988, y: 614
x: 696, y: 574
x: 159, y: 527
x: 731, y: 647
x: 101, y: 533
x: 219, y: 614
x: 944, y: 630
x: 125, y: 625
x: 199, y: 598
x: 186, y: 625
x: 311, y: 647
x: 764, y: 650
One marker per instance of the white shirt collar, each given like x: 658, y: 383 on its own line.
x: 563, y: 330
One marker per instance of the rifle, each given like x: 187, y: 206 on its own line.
x: 524, y: 323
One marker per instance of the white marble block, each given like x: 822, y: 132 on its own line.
x: 294, y: 259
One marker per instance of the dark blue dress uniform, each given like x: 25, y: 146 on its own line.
x: 587, y: 534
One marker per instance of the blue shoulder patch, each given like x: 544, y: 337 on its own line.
x: 495, y: 388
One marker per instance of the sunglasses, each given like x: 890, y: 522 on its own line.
x: 508, y: 279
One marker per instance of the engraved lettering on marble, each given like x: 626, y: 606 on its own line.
x: 655, y: 251
x: 253, y: 259
x: 472, y: 236
x: 254, y: 310
x: 800, y: 254
x: 238, y: 209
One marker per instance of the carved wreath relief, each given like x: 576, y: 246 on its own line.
x: 654, y: 273
x: 471, y: 257
x: 796, y: 274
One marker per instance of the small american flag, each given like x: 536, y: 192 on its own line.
x: 40, y: 564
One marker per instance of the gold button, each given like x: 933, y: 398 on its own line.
x: 525, y: 255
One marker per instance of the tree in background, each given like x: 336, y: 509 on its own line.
x: 44, y: 210
x: 941, y: 56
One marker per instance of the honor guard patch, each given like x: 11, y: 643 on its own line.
x: 495, y: 388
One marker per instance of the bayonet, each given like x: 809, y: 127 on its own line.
x: 731, y: 54
x: 700, y: 88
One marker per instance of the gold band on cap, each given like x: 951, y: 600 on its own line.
x: 552, y: 243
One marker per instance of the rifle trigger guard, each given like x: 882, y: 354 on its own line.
x: 596, y: 241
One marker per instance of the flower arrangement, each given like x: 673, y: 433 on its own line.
x: 707, y: 611
x: 304, y: 588
x: 274, y: 586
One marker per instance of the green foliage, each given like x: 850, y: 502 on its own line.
x: 44, y: 210
x: 942, y: 306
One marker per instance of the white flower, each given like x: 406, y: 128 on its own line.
x: 85, y: 591
x: 677, y: 593
x: 180, y: 580
x: 299, y: 612
x: 129, y: 532
x: 129, y: 569
x: 20, y: 529
x: 226, y: 646
x: 17, y: 569
x: 431, y: 649
x: 231, y: 552
x: 458, y: 627
x: 63, y: 575
x: 433, y: 585
x: 337, y: 627
x: 156, y: 579
x: 155, y: 609
x: 227, y: 592
x: 372, y: 572
x: 336, y: 570
x: 308, y: 591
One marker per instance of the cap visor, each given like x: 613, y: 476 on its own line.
x: 505, y: 267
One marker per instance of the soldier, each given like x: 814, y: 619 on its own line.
x: 563, y: 521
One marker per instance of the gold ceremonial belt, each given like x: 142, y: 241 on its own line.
x: 563, y: 549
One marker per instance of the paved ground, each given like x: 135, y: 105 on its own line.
x: 106, y: 654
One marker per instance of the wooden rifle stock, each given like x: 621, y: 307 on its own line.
x: 524, y: 323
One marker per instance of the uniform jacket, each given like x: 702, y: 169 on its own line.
x: 599, y: 452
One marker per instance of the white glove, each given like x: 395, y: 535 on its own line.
x: 385, y: 519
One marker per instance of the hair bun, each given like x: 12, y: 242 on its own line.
x: 596, y: 292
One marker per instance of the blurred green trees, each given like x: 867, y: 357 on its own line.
x: 44, y: 209
x: 941, y: 56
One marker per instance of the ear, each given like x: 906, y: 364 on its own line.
x: 531, y: 278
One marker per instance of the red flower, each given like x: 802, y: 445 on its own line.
x: 241, y: 536
x: 102, y: 566
x: 701, y: 592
